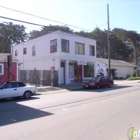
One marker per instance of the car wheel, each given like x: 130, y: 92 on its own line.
x: 27, y: 94
x: 98, y: 86
x: 110, y: 85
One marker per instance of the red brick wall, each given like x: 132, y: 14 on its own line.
x: 13, y: 72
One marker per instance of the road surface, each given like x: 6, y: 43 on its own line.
x: 104, y: 114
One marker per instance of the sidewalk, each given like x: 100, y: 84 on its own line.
x: 61, y: 88
x: 75, y: 86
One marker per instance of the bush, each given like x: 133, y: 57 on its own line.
x: 133, y: 78
x: 116, y: 78
x: 121, y: 78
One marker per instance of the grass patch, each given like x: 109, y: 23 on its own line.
x: 133, y: 78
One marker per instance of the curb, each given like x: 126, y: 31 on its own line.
x: 52, y: 92
x: 66, y: 90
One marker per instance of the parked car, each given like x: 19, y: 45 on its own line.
x: 16, y: 89
x: 99, y: 81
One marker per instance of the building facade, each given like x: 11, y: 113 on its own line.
x: 72, y: 56
x: 122, y: 69
x: 13, y: 71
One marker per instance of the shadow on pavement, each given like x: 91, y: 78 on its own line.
x: 11, y: 112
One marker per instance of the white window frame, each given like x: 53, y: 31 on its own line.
x: 2, y: 73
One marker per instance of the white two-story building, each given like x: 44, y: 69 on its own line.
x: 73, y: 56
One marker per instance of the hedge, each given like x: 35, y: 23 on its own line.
x: 133, y: 78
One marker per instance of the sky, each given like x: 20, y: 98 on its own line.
x: 83, y: 15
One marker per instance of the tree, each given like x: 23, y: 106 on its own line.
x: 118, y: 47
x: 131, y: 39
x: 48, y: 29
x: 122, y: 42
x: 34, y: 34
x: 101, y: 38
x: 134, y: 39
x: 11, y: 34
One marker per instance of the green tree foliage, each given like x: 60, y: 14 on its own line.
x: 118, y: 49
x: 118, y: 40
x: 132, y: 40
x: 124, y: 45
x: 48, y: 29
x: 11, y: 34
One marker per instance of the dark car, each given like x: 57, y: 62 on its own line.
x: 99, y: 81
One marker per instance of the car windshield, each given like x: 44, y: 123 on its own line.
x: 1, y: 84
x: 94, y: 79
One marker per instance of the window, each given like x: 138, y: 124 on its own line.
x: 89, y: 70
x: 6, y: 85
x: 21, y: 84
x: 65, y: 45
x: 53, y: 46
x: 33, y: 51
x: 1, y: 69
x: 102, y: 79
x: 71, y: 70
x: 106, y: 78
x: 14, y: 85
x: 24, y: 50
x: 10, y: 85
x: 91, y: 50
x: 16, y: 53
x: 79, y: 48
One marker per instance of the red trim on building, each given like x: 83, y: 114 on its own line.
x: 13, y: 72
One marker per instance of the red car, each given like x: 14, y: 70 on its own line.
x: 97, y: 82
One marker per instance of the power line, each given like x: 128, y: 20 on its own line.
x: 102, y: 25
x: 39, y: 17
x: 21, y: 21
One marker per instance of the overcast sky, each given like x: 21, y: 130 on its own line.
x: 85, y: 14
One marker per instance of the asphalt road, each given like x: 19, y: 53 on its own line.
x: 104, y: 114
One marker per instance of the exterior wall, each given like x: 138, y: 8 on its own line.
x: 13, y: 72
x: 101, y: 65
x: 123, y: 71
x: 44, y: 59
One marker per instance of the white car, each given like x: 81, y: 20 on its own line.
x: 16, y: 89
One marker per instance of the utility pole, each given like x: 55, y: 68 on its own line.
x: 109, y: 74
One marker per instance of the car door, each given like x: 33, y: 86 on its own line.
x: 7, y: 91
x: 21, y: 89
x: 102, y: 81
x: 107, y: 81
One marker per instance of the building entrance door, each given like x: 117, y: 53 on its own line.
x: 78, y: 74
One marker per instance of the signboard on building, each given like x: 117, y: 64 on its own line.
x: 82, y: 63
